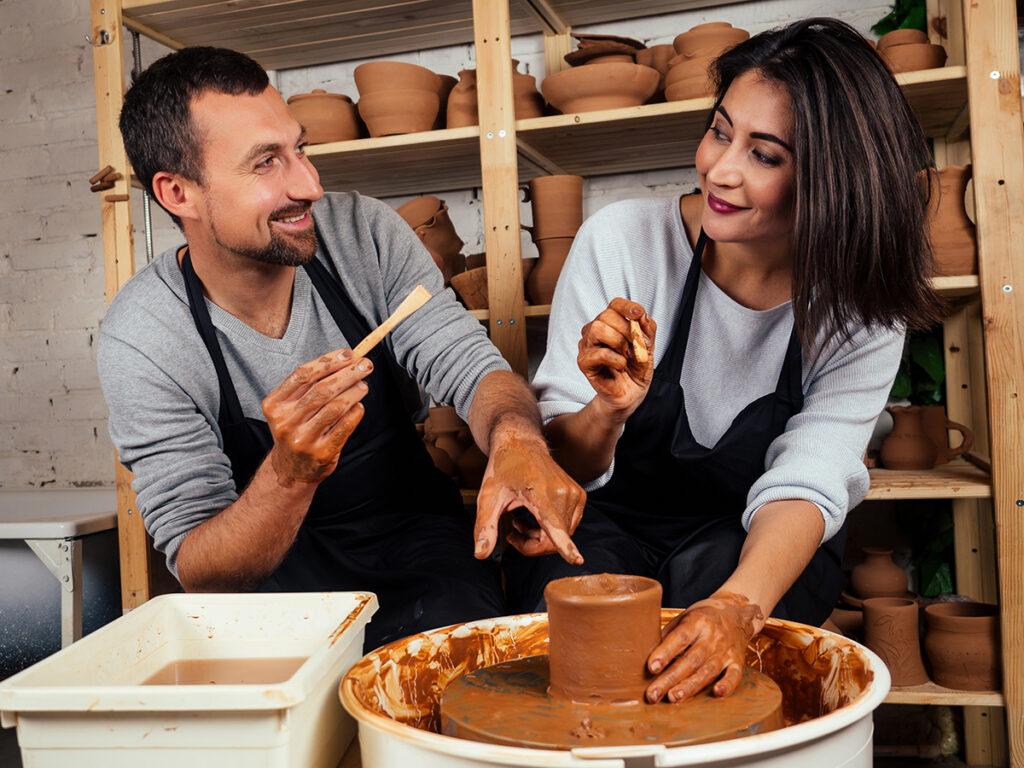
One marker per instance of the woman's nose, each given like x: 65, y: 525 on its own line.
x: 725, y: 170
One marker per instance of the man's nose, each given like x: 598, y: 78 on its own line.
x: 304, y: 181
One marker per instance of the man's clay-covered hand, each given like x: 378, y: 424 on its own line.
x: 312, y: 414
x: 707, y: 642
x: 521, y: 473
x: 618, y: 359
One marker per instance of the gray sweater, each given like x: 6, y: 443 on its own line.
x: 638, y: 250
x: 161, y: 388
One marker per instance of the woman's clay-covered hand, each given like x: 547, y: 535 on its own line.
x: 708, y: 642
x: 312, y: 413
x: 521, y: 473
x: 608, y: 359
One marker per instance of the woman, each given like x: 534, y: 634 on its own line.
x: 773, y: 306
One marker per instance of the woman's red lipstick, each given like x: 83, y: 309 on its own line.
x: 720, y: 206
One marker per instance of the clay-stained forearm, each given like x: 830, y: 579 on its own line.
x: 584, y: 442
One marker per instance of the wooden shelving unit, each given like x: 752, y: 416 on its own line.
x: 975, y: 94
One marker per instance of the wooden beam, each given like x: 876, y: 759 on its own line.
x: 997, y: 144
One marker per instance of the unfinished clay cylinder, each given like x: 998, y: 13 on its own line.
x: 962, y: 645
x: 891, y: 631
x: 602, y: 629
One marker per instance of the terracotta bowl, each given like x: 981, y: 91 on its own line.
x: 608, y: 86
x: 374, y: 76
x: 901, y: 37
x: 913, y: 56
x: 709, y: 39
x: 471, y: 286
x: 387, y: 113
x: 420, y: 210
x: 325, y: 116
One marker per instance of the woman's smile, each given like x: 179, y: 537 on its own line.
x: 718, y: 205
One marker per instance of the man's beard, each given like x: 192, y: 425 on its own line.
x: 282, y: 250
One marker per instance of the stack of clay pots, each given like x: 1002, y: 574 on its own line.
x: 428, y: 216
x: 952, y: 233
x: 462, y: 101
x: 657, y: 57
x: 688, y: 74
x: 557, y: 203
x: 906, y: 50
x: 396, y: 97
x: 920, y: 438
x: 603, y: 74
x: 326, y: 116
x: 452, y: 448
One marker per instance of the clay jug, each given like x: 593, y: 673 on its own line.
x: 325, y: 116
x: 937, y: 426
x: 439, y: 236
x: 954, y: 241
x: 907, y: 446
x: 462, y: 109
x: 962, y: 645
x: 557, y: 204
x: 878, y: 575
x: 447, y: 83
x: 526, y: 98
x: 891, y: 631
x: 540, y: 285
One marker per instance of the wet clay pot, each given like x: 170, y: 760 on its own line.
x: 962, y: 645
x: 657, y: 57
x: 891, y: 631
x: 907, y: 446
x: 911, y: 57
x: 540, y: 285
x: 609, y: 86
x: 447, y: 84
x: 583, y: 612
x: 557, y: 205
x: 471, y: 287
x: 462, y: 104
x: 711, y: 39
x: 953, y: 236
x: 526, y: 99
x: 937, y: 425
x: 392, y: 112
x: 375, y: 76
x: 325, y: 116
x: 878, y: 575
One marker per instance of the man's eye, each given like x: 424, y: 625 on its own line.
x: 265, y: 162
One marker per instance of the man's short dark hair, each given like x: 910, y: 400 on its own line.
x: 156, y: 121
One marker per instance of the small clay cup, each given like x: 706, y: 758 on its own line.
x: 891, y: 631
x: 375, y: 76
x: 913, y: 56
x: 398, y: 111
x: 962, y: 645
x: 602, y: 628
x: 326, y: 116
x: 609, y: 86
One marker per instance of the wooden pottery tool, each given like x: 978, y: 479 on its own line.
x: 639, y: 347
x: 416, y: 299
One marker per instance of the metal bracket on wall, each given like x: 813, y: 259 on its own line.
x: 63, y: 558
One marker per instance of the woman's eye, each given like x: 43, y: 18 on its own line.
x: 766, y: 159
x: 717, y: 133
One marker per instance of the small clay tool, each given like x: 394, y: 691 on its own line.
x: 410, y: 304
x: 639, y: 347
x: 102, y: 185
x: 101, y: 174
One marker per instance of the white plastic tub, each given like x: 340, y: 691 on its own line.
x: 85, y: 705
x: 831, y: 686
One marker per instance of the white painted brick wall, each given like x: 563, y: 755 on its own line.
x: 52, y: 417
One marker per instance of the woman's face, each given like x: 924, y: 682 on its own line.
x: 745, y: 164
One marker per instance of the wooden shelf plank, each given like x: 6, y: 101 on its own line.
x: 530, y: 310
x: 930, y: 693
x: 956, y: 480
x: 958, y: 285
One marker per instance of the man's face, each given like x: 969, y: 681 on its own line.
x: 258, y: 185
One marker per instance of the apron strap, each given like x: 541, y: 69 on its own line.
x: 672, y: 364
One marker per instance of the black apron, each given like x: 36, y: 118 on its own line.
x: 386, y: 520
x: 672, y: 507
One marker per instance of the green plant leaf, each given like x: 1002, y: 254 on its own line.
x: 901, y: 387
x: 926, y: 353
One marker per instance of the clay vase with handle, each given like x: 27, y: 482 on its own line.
x: 953, y: 236
x: 462, y: 106
x: 907, y: 446
x: 891, y: 631
x: 937, y: 426
x: 962, y: 645
x: 878, y: 575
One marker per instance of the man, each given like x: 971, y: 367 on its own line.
x: 265, y: 455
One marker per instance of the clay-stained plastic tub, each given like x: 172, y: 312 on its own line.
x: 831, y: 686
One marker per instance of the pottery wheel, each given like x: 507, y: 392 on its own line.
x: 508, y: 704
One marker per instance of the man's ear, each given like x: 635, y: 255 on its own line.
x: 175, y: 194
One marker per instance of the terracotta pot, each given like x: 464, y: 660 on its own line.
x: 376, y: 76
x: 657, y: 57
x: 325, y: 116
x: 913, y: 56
x: 689, y: 78
x: 387, y: 113
x: 937, y: 425
x: 609, y: 86
x: 420, y: 210
x: 540, y: 285
x: 962, y: 645
x: 557, y: 204
x: 475, y: 260
x: 891, y: 631
x: 471, y: 286
x: 907, y: 446
x: 440, y: 238
x: 447, y: 83
x: 878, y: 575
x: 526, y: 98
x: 901, y: 37
x: 462, y: 104
x: 849, y: 621
x: 711, y: 39
x: 953, y: 236
x: 471, y: 467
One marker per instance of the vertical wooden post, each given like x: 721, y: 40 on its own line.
x: 119, y: 264
x: 993, y: 79
x: 500, y: 180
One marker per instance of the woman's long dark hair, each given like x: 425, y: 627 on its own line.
x: 861, y: 252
